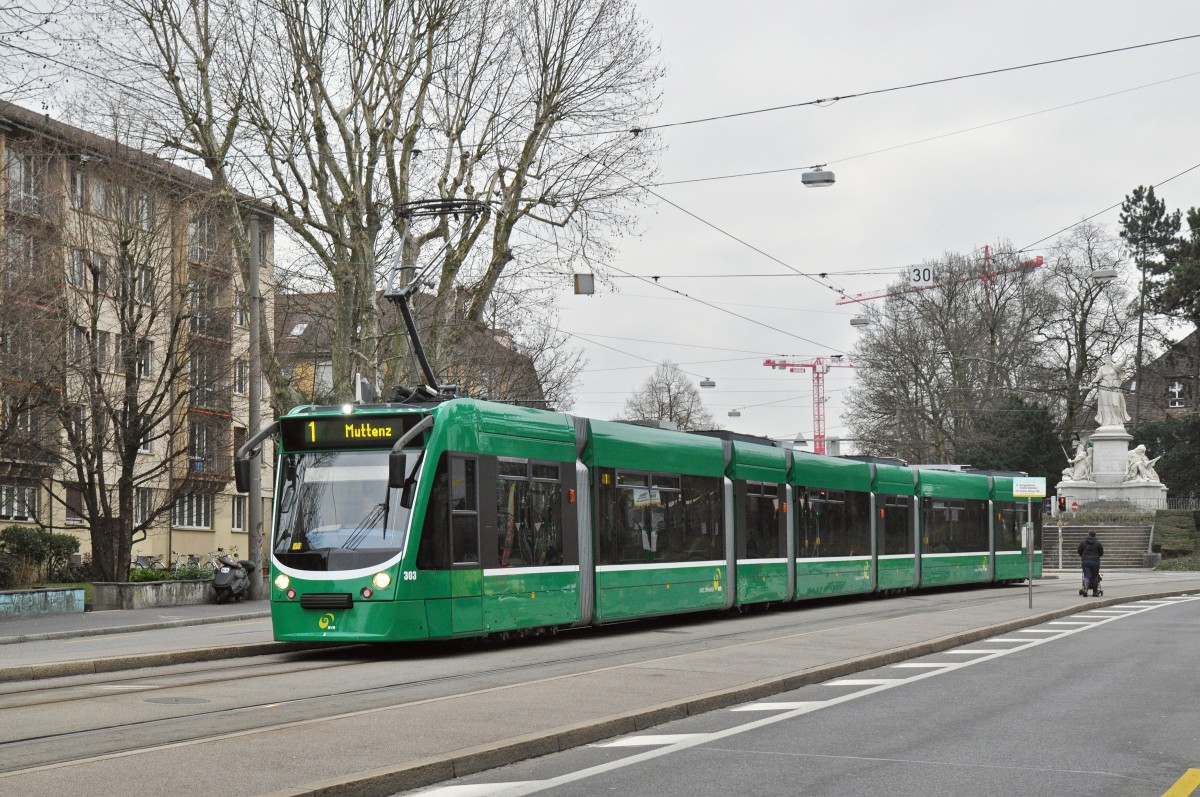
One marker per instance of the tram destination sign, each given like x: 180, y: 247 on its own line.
x: 344, y: 431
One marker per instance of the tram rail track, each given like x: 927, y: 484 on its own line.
x: 177, y: 691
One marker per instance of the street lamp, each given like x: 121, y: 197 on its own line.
x: 860, y: 321
x: 706, y: 382
x: 1104, y: 275
x: 817, y: 177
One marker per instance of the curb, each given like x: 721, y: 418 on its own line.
x: 387, y: 781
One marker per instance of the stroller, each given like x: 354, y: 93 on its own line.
x: 1094, y: 586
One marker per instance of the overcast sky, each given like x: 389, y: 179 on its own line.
x: 1019, y: 180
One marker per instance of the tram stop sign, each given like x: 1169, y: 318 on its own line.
x: 1029, y: 487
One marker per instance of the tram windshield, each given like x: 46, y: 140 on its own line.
x: 336, y: 511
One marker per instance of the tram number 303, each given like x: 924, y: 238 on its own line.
x: 409, y: 575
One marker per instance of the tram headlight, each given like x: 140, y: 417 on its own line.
x: 381, y: 580
x: 282, y: 581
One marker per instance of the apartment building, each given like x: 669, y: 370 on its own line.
x: 124, y: 342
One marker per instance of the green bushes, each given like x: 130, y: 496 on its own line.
x: 1174, y: 533
x: 29, y: 555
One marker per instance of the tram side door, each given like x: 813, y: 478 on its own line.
x: 466, y: 575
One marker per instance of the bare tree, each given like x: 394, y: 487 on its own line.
x: 347, y: 114
x: 937, y: 358
x: 1083, y: 320
x: 31, y: 38
x: 668, y: 395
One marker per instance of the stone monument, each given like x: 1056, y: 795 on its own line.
x: 1103, y: 468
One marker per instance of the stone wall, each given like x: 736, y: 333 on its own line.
x: 147, y: 594
x: 49, y: 600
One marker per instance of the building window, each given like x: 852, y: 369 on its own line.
x: 241, y: 377
x: 241, y: 309
x: 201, y: 240
x: 142, y: 505
x: 77, y: 268
x: 1175, y: 395
x: 99, y: 196
x: 74, y: 503
x: 22, y: 182
x: 79, y: 192
x: 145, y: 285
x: 193, y: 511
x: 77, y: 344
x: 18, y: 416
x: 18, y: 502
x: 145, y: 211
x: 238, y: 510
x: 144, y: 442
x: 145, y: 363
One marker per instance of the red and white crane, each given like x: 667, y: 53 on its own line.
x: 819, y: 366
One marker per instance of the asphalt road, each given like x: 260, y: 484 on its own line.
x: 1096, y: 703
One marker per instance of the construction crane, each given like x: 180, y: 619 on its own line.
x: 921, y: 278
x: 819, y: 367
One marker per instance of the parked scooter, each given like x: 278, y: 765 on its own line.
x: 231, y: 581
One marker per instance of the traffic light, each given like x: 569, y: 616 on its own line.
x: 1062, y: 504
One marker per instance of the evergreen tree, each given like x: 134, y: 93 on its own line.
x: 1015, y: 435
x: 1147, y: 229
x: 1177, y: 441
x: 1178, y: 294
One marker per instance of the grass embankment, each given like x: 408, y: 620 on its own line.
x: 1175, y: 538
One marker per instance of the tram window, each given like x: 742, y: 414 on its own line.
x: 895, y: 522
x: 451, y: 529
x: 640, y: 523
x: 834, y: 523
x: 955, y: 525
x: 626, y: 479
x: 529, y: 514
x: 765, y: 528
x: 462, y: 484
x: 1008, y: 516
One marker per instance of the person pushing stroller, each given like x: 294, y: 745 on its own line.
x: 1090, y: 551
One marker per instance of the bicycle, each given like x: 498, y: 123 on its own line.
x: 147, y: 562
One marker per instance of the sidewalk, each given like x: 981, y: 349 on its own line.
x: 39, y: 627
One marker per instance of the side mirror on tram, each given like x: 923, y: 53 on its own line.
x: 241, y: 474
x: 396, y: 469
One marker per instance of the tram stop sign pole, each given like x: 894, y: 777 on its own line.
x: 1029, y: 487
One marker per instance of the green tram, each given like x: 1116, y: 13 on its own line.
x: 466, y: 518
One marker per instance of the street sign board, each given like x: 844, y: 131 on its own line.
x: 1029, y: 487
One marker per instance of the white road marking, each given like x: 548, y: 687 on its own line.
x: 930, y: 664
x: 863, y: 681
x: 654, y: 741
x: 778, y: 706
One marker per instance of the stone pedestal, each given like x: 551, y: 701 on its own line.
x: 1110, y: 451
x: 1110, y: 448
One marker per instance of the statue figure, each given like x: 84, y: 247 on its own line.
x: 1110, y: 399
x: 1139, y: 467
x: 1079, y: 468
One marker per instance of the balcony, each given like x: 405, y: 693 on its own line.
x: 214, y: 396
x: 210, y: 472
x: 25, y: 203
x: 211, y: 325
